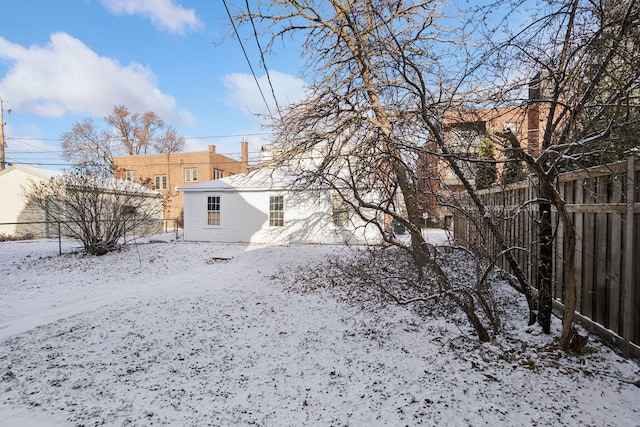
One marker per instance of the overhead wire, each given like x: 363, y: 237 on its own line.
x: 246, y: 56
x: 38, y: 150
x: 262, y: 60
x: 29, y: 138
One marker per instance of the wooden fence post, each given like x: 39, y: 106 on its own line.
x: 628, y: 290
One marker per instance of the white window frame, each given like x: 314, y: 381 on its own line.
x: 191, y: 175
x: 339, y: 211
x: 276, y: 216
x: 218, y: 173
x: 132, y: 176
x: 160, y: 182
x: 214, y: 214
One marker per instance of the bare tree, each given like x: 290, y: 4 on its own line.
x: 580, y: 61
x: 134, y: 130
x: 93, y: 149
x: 96, y: 211
x: 359, y: 131
x: 90, y: 148
x: 387, y: 81
x: 169, y: 142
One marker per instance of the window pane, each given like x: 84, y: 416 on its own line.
x: 213, y: 210
x: 213, y: 203
x: 191, y: 174
x: 213, y: 218
x: 340, y: 211
x: 277, y: 219
x: 132, y: 176
x: 276, y: 211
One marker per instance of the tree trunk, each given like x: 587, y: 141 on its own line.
x: 545, y: 265
x: 493, y: 227
x: 569, y: 300
x: 470, y: 310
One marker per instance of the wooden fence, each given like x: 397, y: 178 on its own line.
x: 604, y: 203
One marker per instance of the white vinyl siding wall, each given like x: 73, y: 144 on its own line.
x: 308, y: 218
x: 13, y: 186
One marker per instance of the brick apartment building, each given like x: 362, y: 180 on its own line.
x: 165, y: 172
x: 463, y: 134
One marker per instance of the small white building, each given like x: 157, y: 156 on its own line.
x: 265, y: 207
x: 14, y: 206
x: 19, y: 218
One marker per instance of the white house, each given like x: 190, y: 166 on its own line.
x: 17, y: 214
x: 14, y: 206
x: 264, y: 206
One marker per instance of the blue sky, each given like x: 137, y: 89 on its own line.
x: 65, y: 60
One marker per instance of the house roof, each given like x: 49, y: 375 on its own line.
x: 108, y: 184
x: 32, y: 170
x: 257, y: 180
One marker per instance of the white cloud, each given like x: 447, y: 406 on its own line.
x: 244, y: 93
x: 66, y: 76
x: 164, y: 14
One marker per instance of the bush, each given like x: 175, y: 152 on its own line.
x: 98, y: 212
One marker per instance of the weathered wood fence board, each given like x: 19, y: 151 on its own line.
x: 604, y: 203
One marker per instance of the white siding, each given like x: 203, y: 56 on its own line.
x: 16, y: 181
x: 244, y: 217
x: 13, y: 202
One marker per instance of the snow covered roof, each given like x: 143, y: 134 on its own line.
x: 257, y: 180
x: 108, y: 184
x: 32, y: 170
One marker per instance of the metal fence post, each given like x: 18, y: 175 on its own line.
x: 59, y: 239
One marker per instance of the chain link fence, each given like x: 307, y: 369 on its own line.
x: 32, y: 240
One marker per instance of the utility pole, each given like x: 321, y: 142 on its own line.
x: 2, y: 159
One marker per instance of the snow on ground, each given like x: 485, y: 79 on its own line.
x: 196, y: 334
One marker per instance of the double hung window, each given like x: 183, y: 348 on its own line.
x: 160, y: 182
x: 191, y: 175
x: 340, y: 211
x: 276, y: 211
x: 213, y: 210
x: 132, y: 176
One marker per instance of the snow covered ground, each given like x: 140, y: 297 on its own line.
x: 196, y: 334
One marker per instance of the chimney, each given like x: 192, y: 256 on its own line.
x: 244, y: 149
x: 212, y: 148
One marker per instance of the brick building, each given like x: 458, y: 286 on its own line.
x: 463, y: 133
x: 165, y: 172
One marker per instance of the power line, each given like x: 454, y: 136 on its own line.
x: 233, y: 24
x: 223, y: 163
x: 262, y: 60
x: 30, y: 138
